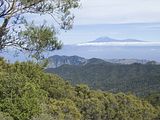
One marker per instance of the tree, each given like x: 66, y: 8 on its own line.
x: 19, y: 97
x: 64, y: 110
x: 15, y: 30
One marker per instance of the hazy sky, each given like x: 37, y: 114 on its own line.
x: 121, y: 19
x: 118, y: 11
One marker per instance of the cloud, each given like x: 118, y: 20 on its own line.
x: 121, y: 44
x: 118, y: 11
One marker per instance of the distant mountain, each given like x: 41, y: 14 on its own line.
x: 56, y: 61
x: 101, y: 49
x: 140, y: 79
x: 107, y: 39
x: 128, y: 61
x: 93, y: 61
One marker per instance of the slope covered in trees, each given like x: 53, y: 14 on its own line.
x: 27, y: 93
x: 140, y: 79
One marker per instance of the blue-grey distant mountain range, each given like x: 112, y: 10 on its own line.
x: 108, y: 39
x: 109, y: 48
x: 103, y: 48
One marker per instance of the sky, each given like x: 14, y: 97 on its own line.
x: 119, y: 19
x: 118, y: 11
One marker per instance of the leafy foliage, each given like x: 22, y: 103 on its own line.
x: 27, y: 93
x: 16, y: 32
x: 4, y: 116
x: 38, y: 39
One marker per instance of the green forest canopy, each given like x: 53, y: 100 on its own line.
x: 140, y: 79
x: 27, y: 93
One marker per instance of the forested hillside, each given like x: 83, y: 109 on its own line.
x: 140, y: 79
x: 27, y: 93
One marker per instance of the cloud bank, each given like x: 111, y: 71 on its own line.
x: 121, y: 44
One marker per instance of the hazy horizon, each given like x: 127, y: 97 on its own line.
x: 122, y: 19
x: 85, y: 33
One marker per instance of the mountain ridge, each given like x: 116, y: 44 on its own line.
x: 108, y: 39
x: 57, y: 61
